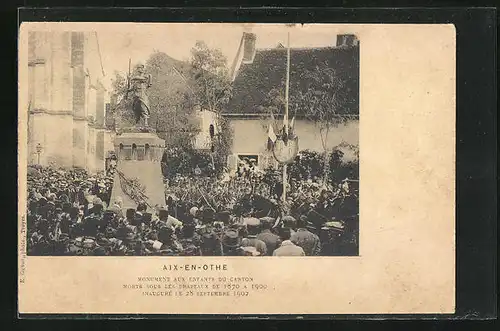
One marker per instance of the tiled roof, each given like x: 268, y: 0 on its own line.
x: 254, y: 81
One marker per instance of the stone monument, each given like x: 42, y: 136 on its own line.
x: 138, y: 176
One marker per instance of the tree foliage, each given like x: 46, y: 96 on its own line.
x: 343, y: 163
x: 324, y: 98
x: 211, y: 90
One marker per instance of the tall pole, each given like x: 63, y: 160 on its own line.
x: 285, y: 118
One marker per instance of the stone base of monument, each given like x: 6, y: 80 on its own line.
x: 138, y: 176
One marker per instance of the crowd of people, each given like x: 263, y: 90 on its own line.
x: 70, y: 213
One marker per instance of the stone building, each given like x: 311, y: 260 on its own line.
x: 255, y: 72
x: 67, y: 100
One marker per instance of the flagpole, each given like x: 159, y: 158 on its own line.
x: 285, y: 118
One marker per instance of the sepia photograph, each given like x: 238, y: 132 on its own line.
x: 151, y: 142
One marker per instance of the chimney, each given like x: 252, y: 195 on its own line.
x: 248, y: 47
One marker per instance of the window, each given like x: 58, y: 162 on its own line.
x: 127, y: 153
x: 147, y: 152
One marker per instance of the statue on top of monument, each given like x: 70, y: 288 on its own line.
x: 138, y: 82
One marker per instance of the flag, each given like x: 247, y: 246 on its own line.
x: 273, y: 121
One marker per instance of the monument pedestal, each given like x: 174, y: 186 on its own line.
x: 139, y: 154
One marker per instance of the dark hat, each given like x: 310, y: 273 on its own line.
x: 58, y: 206
x: 165, y: 229
x: 208, y: 215
x: 97, y: 208
x: 142, y: 207
x: 146, y: 218
x: 231, y: 238
x: 285, y: 233
x: 66, y: 206
x: 42, y: 201
x: 162, y: 213
x: 64, y: 198
x: 130, y: 213
x: 224, y: 216
x: 289, y: 221
x: 109, y: 214
x: 188, y: 228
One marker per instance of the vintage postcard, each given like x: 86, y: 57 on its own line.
x: 202, y: 168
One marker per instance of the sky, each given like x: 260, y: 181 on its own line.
x: 119, y: 42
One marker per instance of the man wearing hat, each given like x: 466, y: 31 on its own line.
x: 210, y: 241
x: 139, y: 214
x: 91, y: 225
x: 130, y: 216
x: 169, y: 241
x: 304, y: 238
x: 287, y: 247
x: 253, y: 229
x: 271, y: 240
x: 224, y: 217
x: 162, y: 215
